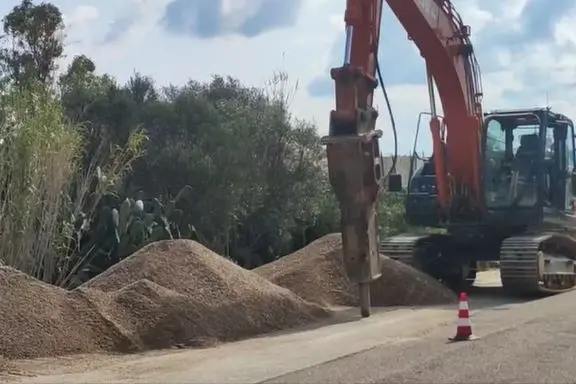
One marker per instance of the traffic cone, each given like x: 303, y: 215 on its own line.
x: 464, y: 327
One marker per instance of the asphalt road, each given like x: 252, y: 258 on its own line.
x: 529, y: 343
x: 519, y: 342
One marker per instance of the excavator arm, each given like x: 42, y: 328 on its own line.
x: 353, y: 153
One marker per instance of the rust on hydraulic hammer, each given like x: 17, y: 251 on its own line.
x: 355, y: 174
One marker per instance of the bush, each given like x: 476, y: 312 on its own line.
x: 44, y: 192
x: 391, y: 214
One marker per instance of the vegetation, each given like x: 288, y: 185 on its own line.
x: 91, y: 170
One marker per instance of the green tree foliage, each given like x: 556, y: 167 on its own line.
x: 255, y: 185
x: 254, y: 171
x: 33, y: 42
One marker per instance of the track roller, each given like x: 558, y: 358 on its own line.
x: 537, y: 264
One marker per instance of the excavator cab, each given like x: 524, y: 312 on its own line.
x: 528, y: 166
x: 529, y: 220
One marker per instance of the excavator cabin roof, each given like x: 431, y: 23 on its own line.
x: 540, y: 112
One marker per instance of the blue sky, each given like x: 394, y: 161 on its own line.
x: 526, y: 49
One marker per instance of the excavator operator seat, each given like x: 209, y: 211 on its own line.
x: 522, y: 187
x: 526, y: 155
x: 528, y: 143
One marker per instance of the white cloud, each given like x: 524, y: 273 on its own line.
x: 474, y: 16
x: 81, y: 15
x: 514, y: 75
x: 565, y: 32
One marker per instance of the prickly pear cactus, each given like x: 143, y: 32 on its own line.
x: 114, y: 232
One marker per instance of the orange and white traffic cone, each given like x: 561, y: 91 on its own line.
x: 464, y: 327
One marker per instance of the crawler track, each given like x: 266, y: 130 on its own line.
x: 519, y: 264
x: 538, y: 264
x: 529, y: 264
x: 401, y: 248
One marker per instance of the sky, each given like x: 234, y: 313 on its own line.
x: 526, y: 50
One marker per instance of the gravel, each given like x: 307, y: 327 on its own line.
x: 169, y: 294
x: 316, y: 273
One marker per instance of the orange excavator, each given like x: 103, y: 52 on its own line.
x: 501, y: 185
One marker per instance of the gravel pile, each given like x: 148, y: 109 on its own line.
x: 170, y: 293
x: 38, y: 319
x: 316, y: 273
x: 181, y: 293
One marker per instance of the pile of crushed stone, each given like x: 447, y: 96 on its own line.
x: 316, y: 274
x: 37, y: 319
x: 179, y: 292
x: 169, y: 294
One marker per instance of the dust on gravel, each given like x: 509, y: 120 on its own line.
x: 316, y: 273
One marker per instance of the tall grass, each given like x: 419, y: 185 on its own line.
x: 43, y: 188
x: 38, y: 157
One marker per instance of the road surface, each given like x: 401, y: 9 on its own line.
x: 530, y: 343
x: 519, y: 342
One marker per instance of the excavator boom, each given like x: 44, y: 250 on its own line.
x: 444, y: 42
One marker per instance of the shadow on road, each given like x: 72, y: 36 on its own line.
x: 494, y: 296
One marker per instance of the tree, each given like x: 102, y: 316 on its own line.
x: 32, y: 43
x: 255, y: 185
x: 254, y: 171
